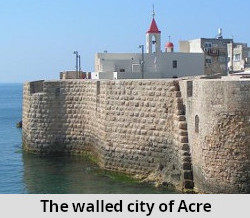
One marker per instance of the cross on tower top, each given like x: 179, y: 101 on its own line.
x: 153, y: 13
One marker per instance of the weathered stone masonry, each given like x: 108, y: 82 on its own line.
x: 144, y: 128
x: 221, y: 147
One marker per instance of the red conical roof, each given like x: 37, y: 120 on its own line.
x: 153, y: 27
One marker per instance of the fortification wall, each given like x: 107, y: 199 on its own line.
x: 136, y: 127
x: 177, y: 132
x: 218, y: 117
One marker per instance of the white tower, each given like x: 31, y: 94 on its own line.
x: 153, y: 38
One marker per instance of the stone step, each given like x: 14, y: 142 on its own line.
x: 183, y: 125
x: 188, y: 184
x: 180, y: 112
x: 183, y: 132
x: 188, y: 175
x: 176, y: 85
x: 187, y: 166
x: 185, y: 147
x: 179, y: 101
x: 180, y: 117
x: 178, y: 94
x: 187, y: 159
x: 184, y: 139
x: 174, y: 88
x: 185, y: 153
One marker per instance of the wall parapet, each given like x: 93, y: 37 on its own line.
x: 36, y: 86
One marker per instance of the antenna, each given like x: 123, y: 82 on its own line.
x: 79, y: 63
x: 169, y: 38
x: 77, y: 57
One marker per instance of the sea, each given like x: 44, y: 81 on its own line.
x: 25, y: 173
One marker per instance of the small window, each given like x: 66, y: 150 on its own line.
x: 175, y: 64
x: 57, y: 92
x: 237, y: 57
x: 208, y: 44
x: 208, y: 61
x: 222, y: 59
x: 122, y: 70
x: 97, y: 87
x: 197, y: 123
x: 189, y: 88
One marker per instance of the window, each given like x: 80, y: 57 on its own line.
x: 208, y: 44
x: 154, y: 44
x: 57, y: 91
x: 98, y: 88
x: 237, y: 57
x: 122, y: 70
x: 197, y: 123
x: 189, y: 88
x: 175, y: 64
x: 136, y: 68
x: 208, y: 61
x: 222, y: 59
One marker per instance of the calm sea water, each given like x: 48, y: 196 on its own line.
x: 21, y: 172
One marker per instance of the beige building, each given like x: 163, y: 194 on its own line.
x: 221, y: 56
x: 215, y: 53
x: 239, y: 57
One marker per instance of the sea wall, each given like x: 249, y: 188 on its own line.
x: 133, y: 126
x: 147, y: 128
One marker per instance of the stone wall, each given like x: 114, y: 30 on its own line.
x: 136, y: 127
x: 218, y: 116
x: 181, y: 132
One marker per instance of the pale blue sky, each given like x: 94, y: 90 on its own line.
x: 38, y: 37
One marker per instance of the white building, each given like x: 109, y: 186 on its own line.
x: 152, y: 64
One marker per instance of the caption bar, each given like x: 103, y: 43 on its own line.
x: 100, y: 206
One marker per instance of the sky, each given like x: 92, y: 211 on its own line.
x: 38, y: 37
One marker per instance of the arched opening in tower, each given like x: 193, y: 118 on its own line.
x: 154, y: 43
